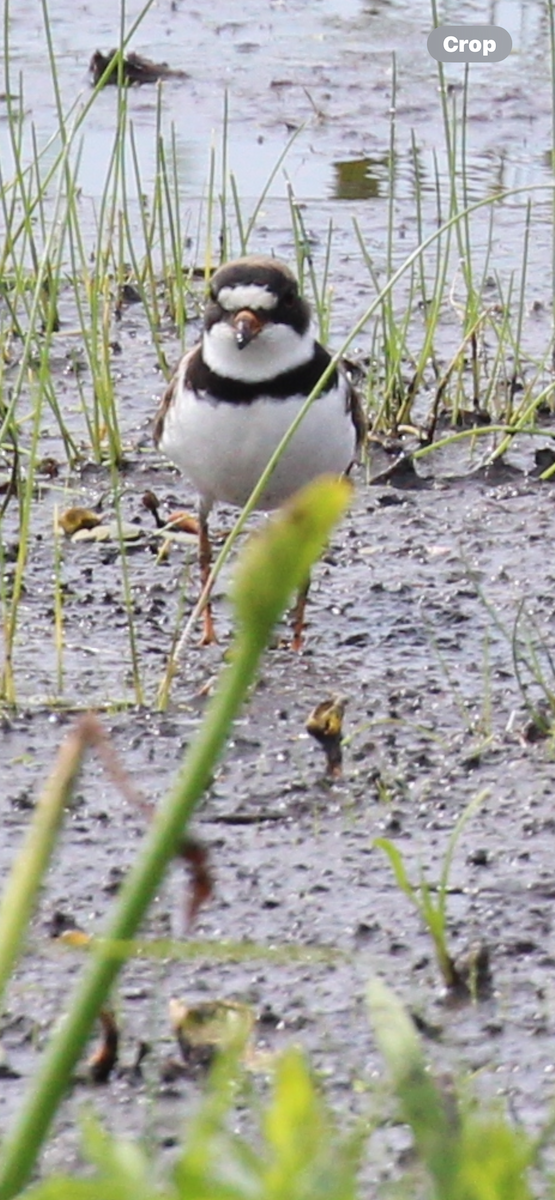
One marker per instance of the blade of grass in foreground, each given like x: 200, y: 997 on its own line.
x: 469, y: 1153
x: 25, y: 878
x: 274, y: 563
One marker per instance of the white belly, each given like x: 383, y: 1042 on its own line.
x: 223, y: 448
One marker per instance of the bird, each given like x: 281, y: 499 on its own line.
x: 236, y: 392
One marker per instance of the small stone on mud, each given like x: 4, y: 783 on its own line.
x: 6, y: 1070
x: 389, y: 499
x: 23, y: 801
x: 61, y: 922
x: 425, y: 1027
x: 365, y: 930
x: 268, y: 1018
x: 116, y: 876
x: 478, y: 857
x: 393, y: 823
x: 538, y: 728
x: 544, y: 458
x: 129, y: 294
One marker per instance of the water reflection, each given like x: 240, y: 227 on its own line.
x: 324, y: 67
x: 361, y: 178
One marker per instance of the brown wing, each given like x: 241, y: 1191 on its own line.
x: 165, y: 403
x: 358, y: 416
x: 169, y: 395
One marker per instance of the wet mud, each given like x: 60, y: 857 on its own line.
x: 411, y: 618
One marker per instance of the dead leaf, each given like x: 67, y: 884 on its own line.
x: 112, y: 532
x: 76, y: 938
x: 215, y: 1023
x: 177, y: 522
x: 182, y: 522
x: 196, y: 856
x: 105, y: 1057
x: 75, y: 519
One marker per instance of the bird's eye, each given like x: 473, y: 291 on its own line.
x: 289, y: 298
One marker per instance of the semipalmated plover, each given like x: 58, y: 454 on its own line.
x: 235, y: 394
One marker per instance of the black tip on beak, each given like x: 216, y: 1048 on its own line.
x: 247, y: 326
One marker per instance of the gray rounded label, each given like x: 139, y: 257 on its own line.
x: 469, y: 43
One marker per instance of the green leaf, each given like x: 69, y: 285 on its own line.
x: 395, y: 1032
x: 306, y: 1158
x: 294, y: 1123
x: 431, y: 1116
x: 494, y: 1159
x: 462, y: 821
x: 396, y: 859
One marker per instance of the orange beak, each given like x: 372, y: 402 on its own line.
x: 246, y: 325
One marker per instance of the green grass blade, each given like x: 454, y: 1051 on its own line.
x: 422, y: 1105
x: 396, y: 859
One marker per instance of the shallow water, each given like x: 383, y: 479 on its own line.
x: 324, y: 69
x: 268, y: 58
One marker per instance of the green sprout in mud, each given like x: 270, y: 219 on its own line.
x: 430, y: 902
x: 533, y: 664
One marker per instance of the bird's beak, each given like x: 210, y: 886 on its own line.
x: 247, y: 326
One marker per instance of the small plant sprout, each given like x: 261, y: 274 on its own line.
x: 430, y: 902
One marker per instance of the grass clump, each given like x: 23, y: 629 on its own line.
x: 430, y: 902
x: 51, y: 275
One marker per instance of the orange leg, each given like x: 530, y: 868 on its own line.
x: 298, y: 616
x: 205, y: 558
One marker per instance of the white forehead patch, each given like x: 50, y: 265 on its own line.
x: 246, y: 295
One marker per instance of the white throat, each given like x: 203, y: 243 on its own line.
x: 276, y: 349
